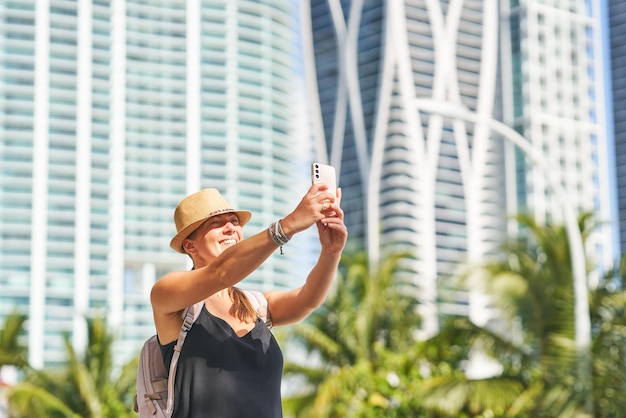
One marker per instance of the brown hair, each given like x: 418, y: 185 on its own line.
x: 242, y: 308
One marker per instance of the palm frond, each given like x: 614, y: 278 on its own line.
x: 28, y: 400
x: 315, y: 339
x: 452, y: 395
x: 12, y: 352
x: 84, y: 382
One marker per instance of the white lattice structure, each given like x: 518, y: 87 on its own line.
x: 435, y: 185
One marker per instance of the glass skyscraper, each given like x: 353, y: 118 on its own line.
x: 111, y: 112
x: 414, y: 100
x: 553, y: 74
x: 617, y: 28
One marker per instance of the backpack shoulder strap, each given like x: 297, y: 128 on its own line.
x: 259, y: 303
x: 194, y: 310
x: 190, y: 314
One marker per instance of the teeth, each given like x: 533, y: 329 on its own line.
x: 229, y: 241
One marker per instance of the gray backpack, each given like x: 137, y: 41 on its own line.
x: 155, y: 385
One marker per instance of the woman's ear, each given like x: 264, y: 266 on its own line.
x: 188, y: 246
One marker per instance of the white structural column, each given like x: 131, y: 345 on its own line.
x: 398, y: 59
x: 83, y: 175
x: 475, y: 163
x: 424, y: 147
x: 117, y: 162
x: 349, y: 92
x: 194, y: 86
x: 312, y: 90
x: 232, y: 94
x: 40, y: 185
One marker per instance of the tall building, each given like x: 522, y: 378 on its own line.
x: 111, y: 112
x: 553, y: 77
x: 617, y: 31
x: 415, y: 103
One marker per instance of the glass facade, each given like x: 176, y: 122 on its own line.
x: 111, y: 112
x: 554, y: 97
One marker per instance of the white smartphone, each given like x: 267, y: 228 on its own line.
x: 324, y: 173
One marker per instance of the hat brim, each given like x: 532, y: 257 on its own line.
x: 177, y: 242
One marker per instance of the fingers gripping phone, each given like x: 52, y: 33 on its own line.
x: 323, y: 173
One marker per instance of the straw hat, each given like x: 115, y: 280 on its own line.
x: 196, y: 208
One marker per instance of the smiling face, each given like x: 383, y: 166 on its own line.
x: 212, y: 237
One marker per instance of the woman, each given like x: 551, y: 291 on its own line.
x: 231, y: 365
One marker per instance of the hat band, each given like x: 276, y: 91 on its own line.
x: 217, y: 212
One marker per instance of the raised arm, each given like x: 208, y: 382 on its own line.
x: 179, y: 289
x: 294, y: 305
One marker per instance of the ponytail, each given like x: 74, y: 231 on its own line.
x: 242, y: 308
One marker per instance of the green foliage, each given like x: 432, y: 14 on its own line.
x: 364, y: 362
x: 458, y: 396
x: 12, y: 352
x: 30, y: 400
x: 86, y: 387
x: 533, y: 283
x: 608, y: 319
x: 355, y: 335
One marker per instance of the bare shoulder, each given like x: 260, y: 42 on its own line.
x: 167, y: 324
x: 174, y: 291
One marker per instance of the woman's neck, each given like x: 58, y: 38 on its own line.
x: 223, y: 294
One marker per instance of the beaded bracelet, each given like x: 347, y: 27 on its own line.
x: 278, y: 235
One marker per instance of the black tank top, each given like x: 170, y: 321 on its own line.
x: 223, y: 375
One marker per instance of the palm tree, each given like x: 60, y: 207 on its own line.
x: 533, y: 284
x: 608, y: 319
x: 362, y: 373
x: 370, y: 364
x: 13, y: 355
x: 85, y: 388
x: 445, y: 390
x: 353, y: 369
x: 12, y: 352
